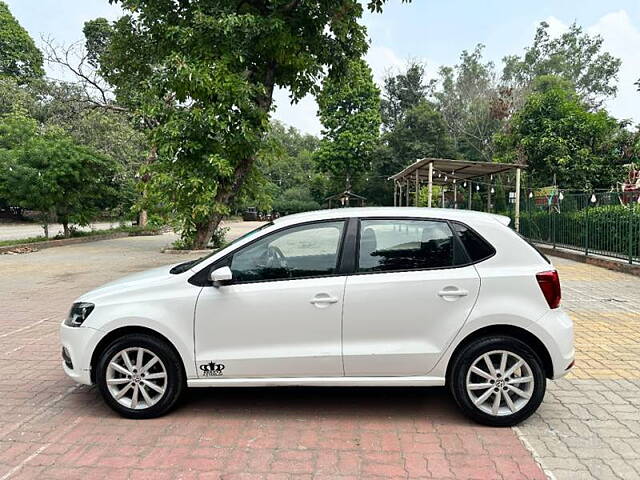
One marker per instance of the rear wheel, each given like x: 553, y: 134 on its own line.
x: 140, y: 376
x: 497, y: 381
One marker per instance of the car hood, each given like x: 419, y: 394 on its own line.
x: 135, y: 281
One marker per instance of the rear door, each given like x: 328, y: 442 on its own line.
x: 412, y: 291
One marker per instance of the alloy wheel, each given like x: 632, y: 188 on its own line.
x: 500, y: 383
x: 136, y: 378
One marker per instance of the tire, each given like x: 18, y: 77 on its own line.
x: 166, y: 370
x: 525, y: 386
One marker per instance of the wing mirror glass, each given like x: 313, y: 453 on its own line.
x: 220, y: 276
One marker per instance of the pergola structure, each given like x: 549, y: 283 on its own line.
x: 444, y: 171
x: 344, y: 199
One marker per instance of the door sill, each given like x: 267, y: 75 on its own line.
x: 417, y: 381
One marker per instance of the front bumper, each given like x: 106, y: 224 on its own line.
x: 78, y: 343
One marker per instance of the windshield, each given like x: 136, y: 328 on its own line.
x: 183, y: 267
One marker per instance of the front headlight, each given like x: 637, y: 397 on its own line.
x: 78, y: 313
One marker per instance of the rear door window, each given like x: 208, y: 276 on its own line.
x: 399, y: 244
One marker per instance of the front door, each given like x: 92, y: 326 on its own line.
x: 281, y: 315
x: 410, y: 296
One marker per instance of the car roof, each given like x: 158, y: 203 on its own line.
x: 470, y: 216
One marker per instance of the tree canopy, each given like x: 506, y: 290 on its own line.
x: 19, y: 56
x: 575, y: 56
x: 47, y: 171
x: 349, y: 109
x: 562, y: 140
x: 202, y: 74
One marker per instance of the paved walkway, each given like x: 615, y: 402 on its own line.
x: 51, y: 428
x: 589, y: 424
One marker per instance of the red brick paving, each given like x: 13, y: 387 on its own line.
x: 50, y: 428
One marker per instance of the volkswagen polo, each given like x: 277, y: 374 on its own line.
x: 353, y: 297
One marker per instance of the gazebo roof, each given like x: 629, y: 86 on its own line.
x: 453, y: 169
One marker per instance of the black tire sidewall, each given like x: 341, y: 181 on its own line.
x: 172, y: 364
x: 465, y: 358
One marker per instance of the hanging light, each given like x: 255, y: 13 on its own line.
x: 454, y: 180
x: 477, y: 188
x: 465, y: 185
x: 530, y: 194
x: 439, y: 174
x: 593, y: 198
x: 445, y: 178
x: 493, y: 190
x: 561, y: 196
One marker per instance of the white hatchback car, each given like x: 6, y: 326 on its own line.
x: 358, y: 296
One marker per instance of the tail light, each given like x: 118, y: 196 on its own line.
x: 550, y: 285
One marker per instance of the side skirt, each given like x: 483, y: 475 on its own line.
x: 418, y: 381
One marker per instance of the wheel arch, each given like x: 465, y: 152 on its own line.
x: 510, y: 330
x: 128, y: 330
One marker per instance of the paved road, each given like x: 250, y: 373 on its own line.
x: 51, y: 428
x: 18, y: 231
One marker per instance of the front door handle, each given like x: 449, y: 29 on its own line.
x: 458, y: 292
x: 323, y: 299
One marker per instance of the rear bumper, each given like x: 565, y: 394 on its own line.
x: 77, y: 345
x: 555, y: 330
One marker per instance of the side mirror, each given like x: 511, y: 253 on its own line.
x: 220, y: 276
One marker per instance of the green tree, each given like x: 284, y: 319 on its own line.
x: 48, y: 172
x: 19, y: 56
x: 201, y: 75
x: 421, y: 133
x: 560, y: 138
x: 471, y: 105
x: 349, y: 109
x: 575, y: 56
x: 401, y: 92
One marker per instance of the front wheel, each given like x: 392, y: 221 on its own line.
x: 497, y: 381
x: 140, y: 376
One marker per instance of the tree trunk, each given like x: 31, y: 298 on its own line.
x: 204, y: 231
x: 45, y: 227
x: 142, y: 218
x: 65, y: 228
x: 227, y: 192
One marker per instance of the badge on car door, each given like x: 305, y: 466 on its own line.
x: 211, y: 369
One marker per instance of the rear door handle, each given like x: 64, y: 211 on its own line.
x: 323, y: 299
x: 453, y: 293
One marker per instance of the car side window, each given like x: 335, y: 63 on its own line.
x: 395, y: 244
x: 306, y: 251
x: 477, y: 247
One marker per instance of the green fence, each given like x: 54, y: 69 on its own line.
x: 601, y: 224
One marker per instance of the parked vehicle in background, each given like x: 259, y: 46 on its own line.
x: 354, y: 297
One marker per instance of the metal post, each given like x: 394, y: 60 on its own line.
x: 407, y: 192
x: 395, y: 193
x: 417, y: 186
x: 517, y: 214
x: 630, y: 233
x: 586, y: 234
x: 470, y: 194
x: 430, y: 184
x: 442, y: 201
x: 455, y: 195
x: 399, y: 194
x: 488, y: 197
